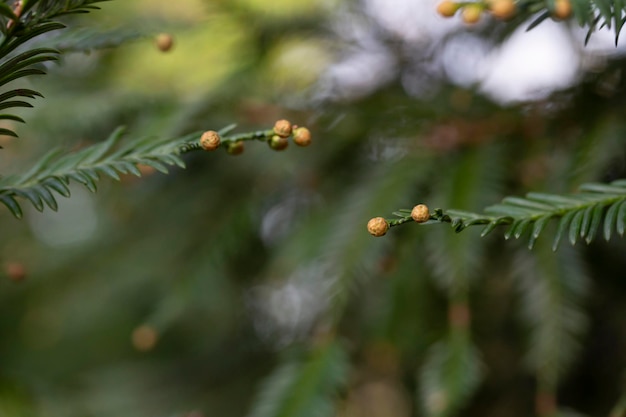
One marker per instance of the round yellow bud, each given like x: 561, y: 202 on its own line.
x: 471, y: 13
x: 15, y: 271
x: 164, y: 42
x: 503, y: 9
x: 144, y: 338
x: 447, y: 8
x: 420, y: 213
x: 235, y: 148
x: 377, y: 226
x: 302, y: 136
x: 562, y: 9
x: 278, y: 143
x: 282, y: 128
x: 210, y: 140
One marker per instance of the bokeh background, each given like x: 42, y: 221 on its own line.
x: 249, y: 286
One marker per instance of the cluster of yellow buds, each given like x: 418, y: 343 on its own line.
x: 277, y: 138
x: 283, y: 129
x: 378, y: 226
x: 471, y: 12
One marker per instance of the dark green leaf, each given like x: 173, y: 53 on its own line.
x: 11, y: 104
x: 609, y: 220
x: 576, y: 226
x: 98, y: 151
x: 521, y: 228
x: 47, y: 197
x: 596, y: 219
x: 582, y: 11
x: 84, y: 179
x: 512, y: 211
x: 26, y: 59
x: 538, y: 227
x: 543, y: 16
x: 57, y: 185
x: 473, y: 222
x: 20, y: 92
x: 25, y: 37
x: 28, y: 4
x: 128, y: 167
x: 154, y: 164
x: 6, y: 11
x: 19, y: 74
x: 488, y: 229
x: 603, y: 188
x: 604, y: 6
x: 517, y: 228
x: 40, y: 166
x: 586, y: 222
x: 172, y: 160
x: 619, y: 183
x: 522, y: 202
x: 563, y: 225
x: 12, y: 205
x: 109, y: 171
x: 621, y: 218
x: 11, y: 117
x: 457, y: 224
x: 7, y: 132
x: 555, y: 199
x: 32, y: 196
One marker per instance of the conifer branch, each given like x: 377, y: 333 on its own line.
x: 579, y: 215
x: 28, y: 20
x: 592, y: 14
x: 53, y: 173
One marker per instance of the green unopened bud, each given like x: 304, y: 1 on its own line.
x: 235, y: 148
x: 472, y: 12
x: 278, y: 143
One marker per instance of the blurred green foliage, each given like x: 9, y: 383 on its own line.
x: 248, y: 285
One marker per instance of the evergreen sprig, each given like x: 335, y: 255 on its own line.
x: 28, y: 20
x: 580, y: 215
x: 592, y: 14
x: 39, y: 11
x: 54, y: 171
